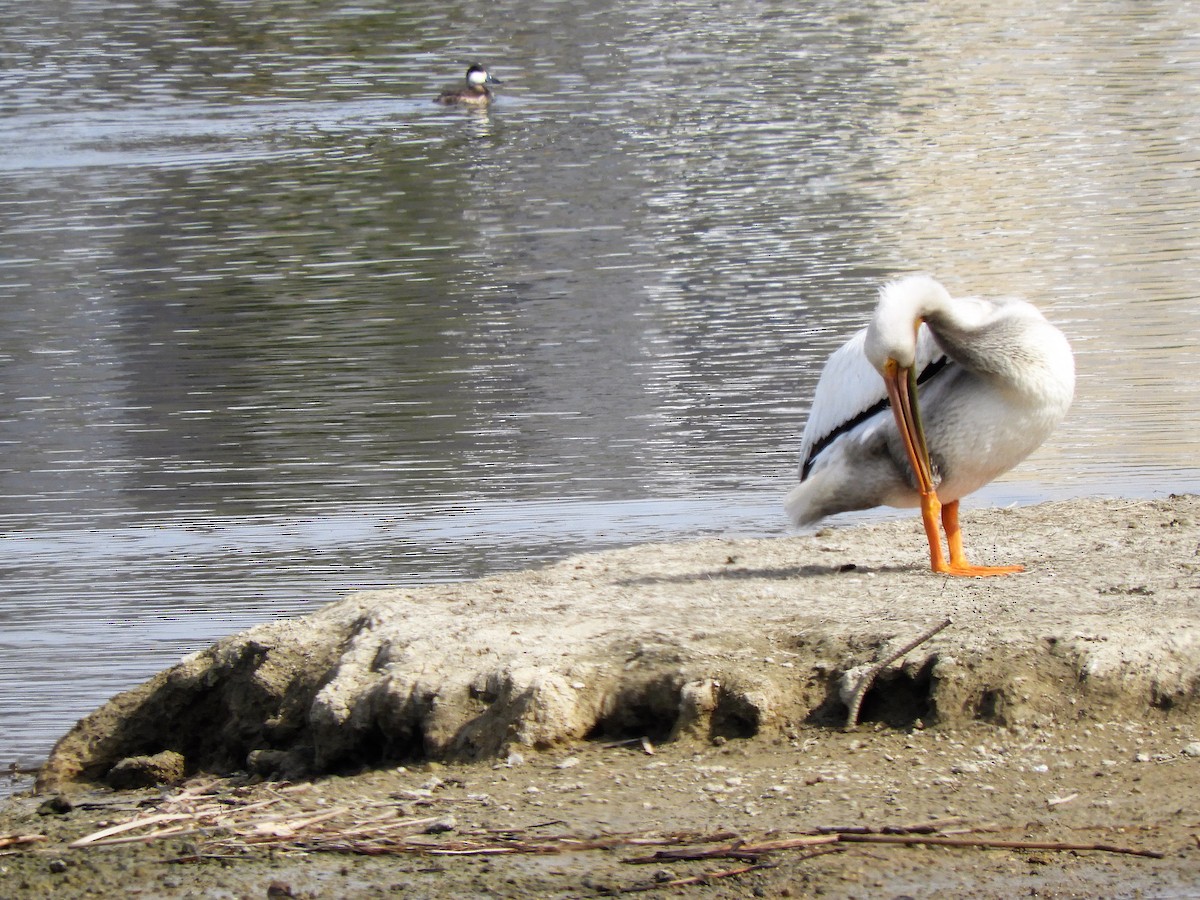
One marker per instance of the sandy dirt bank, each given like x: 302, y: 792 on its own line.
x: 535, y: 734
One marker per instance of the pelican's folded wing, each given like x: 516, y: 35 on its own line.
x: 850, y: 391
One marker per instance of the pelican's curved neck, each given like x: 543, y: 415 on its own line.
x: 903, y: 304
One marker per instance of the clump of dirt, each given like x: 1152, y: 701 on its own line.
x: 716, y: 638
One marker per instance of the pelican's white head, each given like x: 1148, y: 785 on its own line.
x: 892, y: 332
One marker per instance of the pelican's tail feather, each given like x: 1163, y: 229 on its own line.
x: 800, y: 507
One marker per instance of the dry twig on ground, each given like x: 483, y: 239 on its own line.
x: 20, y: 840
x: 868, y: 678
x: 229, y: 823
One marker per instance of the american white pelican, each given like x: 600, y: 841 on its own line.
x: 995, y: 379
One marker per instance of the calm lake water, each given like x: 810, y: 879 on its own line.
x: 277, y: 327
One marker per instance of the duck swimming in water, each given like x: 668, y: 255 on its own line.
x: 475, y: 93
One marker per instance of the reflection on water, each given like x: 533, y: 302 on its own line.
x: 278, y: 327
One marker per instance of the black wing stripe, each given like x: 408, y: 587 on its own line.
x: 850, y: 424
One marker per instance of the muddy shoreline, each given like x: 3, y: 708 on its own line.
x: 1062, y: 706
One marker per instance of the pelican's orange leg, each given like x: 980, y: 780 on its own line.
x: 930, y: 507
x: 958, y: 558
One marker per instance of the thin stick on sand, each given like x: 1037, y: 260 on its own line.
x: 696, y: 879
x: 870, y: 675
x: 991, y: 844
x: 20, y: 840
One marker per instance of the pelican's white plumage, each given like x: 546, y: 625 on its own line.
x: 850, y: 386
x: 996, y: 378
